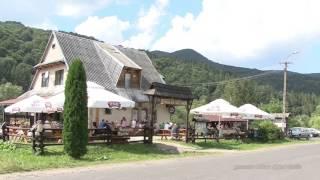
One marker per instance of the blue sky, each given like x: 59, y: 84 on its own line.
x: 247, y: 33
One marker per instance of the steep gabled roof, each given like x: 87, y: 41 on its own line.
x: 104, y: 63
x: 118, y: 56
x: 76, y: 47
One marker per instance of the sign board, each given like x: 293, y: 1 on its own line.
x: 171, y: 109
x: 114, y: 104
x: 175, y: 102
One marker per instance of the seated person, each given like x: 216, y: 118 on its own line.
x: 175, y: 131
x: 167, y: 126
x: 38, y: 128
x: 102, y: 124
x: 123, y: 122
x: 133, y: 123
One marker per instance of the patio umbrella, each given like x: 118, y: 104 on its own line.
x: 33, y: 103
x: 219, y: 107
x: 98, y: 97
x: 252, y: 112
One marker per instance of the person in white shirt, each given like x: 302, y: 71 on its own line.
x: 167, y: 126
x: 133, y: 123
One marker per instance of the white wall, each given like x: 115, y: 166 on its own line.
x: 52, y: 54
x: 52, y: 70
x: 163, y: 114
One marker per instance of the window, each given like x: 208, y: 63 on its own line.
x: 59, y: 77
x: 127, y: 80
x: 45, y: 79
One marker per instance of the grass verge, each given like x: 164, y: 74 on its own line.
x: 239, y: 145
x: 22, y: 159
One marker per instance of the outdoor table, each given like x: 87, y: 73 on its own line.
x: 164, y: 133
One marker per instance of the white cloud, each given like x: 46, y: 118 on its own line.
x: 241, y: 29
x: 146, y: 25
x: 109, y: 29
x: 76, y: 8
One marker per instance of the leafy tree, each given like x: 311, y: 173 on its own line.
x: 299, y: 121
x: 315, y: 118
x: 274, y: 106
x: 267, y: 131
x: 8, y: 91
x: 245, y: 91
x: 75, y: 132
x: 21, y: 75
x: 3, y: 52
x: 19, y: 44
x: 6, y: 65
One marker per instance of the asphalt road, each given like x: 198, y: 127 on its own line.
x: 298, y: 162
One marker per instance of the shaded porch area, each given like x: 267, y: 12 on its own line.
x: 170, y: 96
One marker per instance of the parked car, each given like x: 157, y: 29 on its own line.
x: 314, y: 132
x: 299, y: 132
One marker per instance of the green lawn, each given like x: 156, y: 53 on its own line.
x: 238, y: 145
x: 22, y: 159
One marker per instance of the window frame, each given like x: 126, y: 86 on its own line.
x: 127, y: 86
x: 58, y: 82
x: 45, y: 80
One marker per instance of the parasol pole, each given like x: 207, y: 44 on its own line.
x: 219, y: 125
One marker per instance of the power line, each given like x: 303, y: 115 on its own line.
x: 230, y: 80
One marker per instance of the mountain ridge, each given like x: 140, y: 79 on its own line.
x: 299, y: 82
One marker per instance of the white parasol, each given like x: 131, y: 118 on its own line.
x: 252, y: 112
x: 33, y: 103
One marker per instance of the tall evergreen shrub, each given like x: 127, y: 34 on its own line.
x: 75, y: 129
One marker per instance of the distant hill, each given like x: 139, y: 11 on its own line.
x: 190, y: 55
x: 308, y: 83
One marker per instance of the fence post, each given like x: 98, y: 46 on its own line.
x: 3, y: 127
x: 34, y: 150
x: 41, y: 144
x: 145, y: 135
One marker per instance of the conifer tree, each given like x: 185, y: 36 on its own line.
x: 75, y: 130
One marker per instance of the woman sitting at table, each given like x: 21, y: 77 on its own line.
x: 133, y: 123
x: 123, y: 122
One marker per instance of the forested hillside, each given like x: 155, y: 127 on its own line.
x: 21, y: 48
x: 308, y: 83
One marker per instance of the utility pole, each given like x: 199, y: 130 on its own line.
x: 284, y: 100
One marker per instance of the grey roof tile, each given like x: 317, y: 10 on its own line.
x: 102, y: 69
x: 84, y: 49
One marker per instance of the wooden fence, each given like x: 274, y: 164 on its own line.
x: 53, y: 136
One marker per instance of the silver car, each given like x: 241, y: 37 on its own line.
x: 314, y: 132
